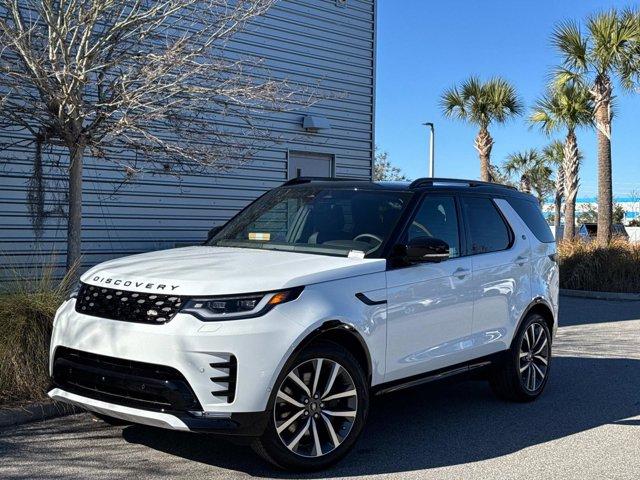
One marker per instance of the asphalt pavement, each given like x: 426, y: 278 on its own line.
x: 585, y: 426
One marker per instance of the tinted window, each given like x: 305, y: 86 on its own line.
x: 316, y: 220
x: 437, y: 218
x: 530, y: 213
x: 487, y: 230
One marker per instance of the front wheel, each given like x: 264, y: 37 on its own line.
x: 317, y: 411
x: 524, y: 372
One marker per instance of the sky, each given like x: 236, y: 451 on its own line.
x: 426, y: 46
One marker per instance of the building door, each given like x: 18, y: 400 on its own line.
x: 302, y: 164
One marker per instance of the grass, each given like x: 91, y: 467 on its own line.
x: 587, y: 266
x: 27, y: 308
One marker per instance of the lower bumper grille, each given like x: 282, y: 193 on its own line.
x: 123, y: 382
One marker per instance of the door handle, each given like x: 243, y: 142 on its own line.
x: 461, y: 272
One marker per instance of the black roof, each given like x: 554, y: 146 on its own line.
x: 419, y: 184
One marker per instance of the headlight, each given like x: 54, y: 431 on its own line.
x: 234, y: 307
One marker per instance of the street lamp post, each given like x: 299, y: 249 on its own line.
x: 431, y: 148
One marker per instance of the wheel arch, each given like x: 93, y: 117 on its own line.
x: 344, y: 335
x: 541, y: 307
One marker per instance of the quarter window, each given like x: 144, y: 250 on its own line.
x: 530, y: 212
x: 487, y: 229
x: 437, y: 218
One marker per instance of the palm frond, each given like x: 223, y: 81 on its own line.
x: 573, y: 46
x: 564, y: 105
x: 453, y: 104
x: 480, y: 102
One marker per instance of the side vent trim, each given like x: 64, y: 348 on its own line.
x: 227, y: 381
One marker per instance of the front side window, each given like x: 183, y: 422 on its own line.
x: 317, y: 220
x: 488, y: 231
x: 437, y: 218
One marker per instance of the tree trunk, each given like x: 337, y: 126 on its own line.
x: 557, y: 216
x: 525, y: 183
x: 571, y: 169
x: 602, y: 96
x: 560, y: 182
x: 74, y: 220
x: 483, y: 145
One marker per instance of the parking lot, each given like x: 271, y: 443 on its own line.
x: 585, y: 426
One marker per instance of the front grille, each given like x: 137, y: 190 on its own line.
x: 127, y: 306
x: 123, y: 382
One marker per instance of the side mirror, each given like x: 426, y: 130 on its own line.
x: 424, y: 250
x: 213, y: 232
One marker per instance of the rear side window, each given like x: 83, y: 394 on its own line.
x: 530, y: 213
x: 487, y: 230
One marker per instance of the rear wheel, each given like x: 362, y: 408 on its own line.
x: 317, y: 411
x: 524, y: 372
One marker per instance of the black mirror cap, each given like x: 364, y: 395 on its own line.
x: 423, y: 250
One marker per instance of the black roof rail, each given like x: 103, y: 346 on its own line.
x: 428, y: 182
x: 300, y: 180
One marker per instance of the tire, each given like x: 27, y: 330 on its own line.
x: 522, y: 374
x: 114, y: 422
x: 316, y: 427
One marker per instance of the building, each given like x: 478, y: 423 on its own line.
x: 630, y: 204
x: 306, y: 41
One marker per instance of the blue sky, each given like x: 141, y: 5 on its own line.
x: 425, y: 46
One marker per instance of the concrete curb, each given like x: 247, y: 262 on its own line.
x: 600, y: 295
x: 35, y: 411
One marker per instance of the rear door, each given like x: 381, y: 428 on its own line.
x: 430, y: 305
x: 501, y: 260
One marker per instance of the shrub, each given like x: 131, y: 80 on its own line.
x: 588, y: 266
x: 27, y: 308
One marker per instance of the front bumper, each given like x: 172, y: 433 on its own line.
x: 193, y: 348
x: 242, y: 424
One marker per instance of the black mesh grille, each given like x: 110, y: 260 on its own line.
x: 123, y: 382
x: 127, y: 306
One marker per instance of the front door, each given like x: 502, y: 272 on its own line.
x: 430, y: 305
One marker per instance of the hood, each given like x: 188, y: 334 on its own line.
x: 204, y: 270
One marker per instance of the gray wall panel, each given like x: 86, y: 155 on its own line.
x: 309, y: 42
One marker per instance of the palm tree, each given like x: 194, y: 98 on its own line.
x: 533, y: 171
x: 481, y: 104
x: 566, y: 105
x: 606, y: 50
x: 554, y: 155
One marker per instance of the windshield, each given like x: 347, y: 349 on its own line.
x: 316, y: 220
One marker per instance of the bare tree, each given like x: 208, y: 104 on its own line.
x: 147, y: 79
x: 384, y: 170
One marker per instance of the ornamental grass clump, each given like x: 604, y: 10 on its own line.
x: 27, y: 308
x: 589, y: 266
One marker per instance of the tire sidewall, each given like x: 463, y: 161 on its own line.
x: 278, y: 452
x: 515, y: 356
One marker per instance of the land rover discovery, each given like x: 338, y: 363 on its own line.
x: 316, y: 296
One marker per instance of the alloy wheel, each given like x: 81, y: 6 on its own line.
x: 315, y: 408
x: 534, y: 357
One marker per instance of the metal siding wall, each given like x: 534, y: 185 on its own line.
x: 306, y: 41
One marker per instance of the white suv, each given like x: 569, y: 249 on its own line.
x: 316, y: 296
